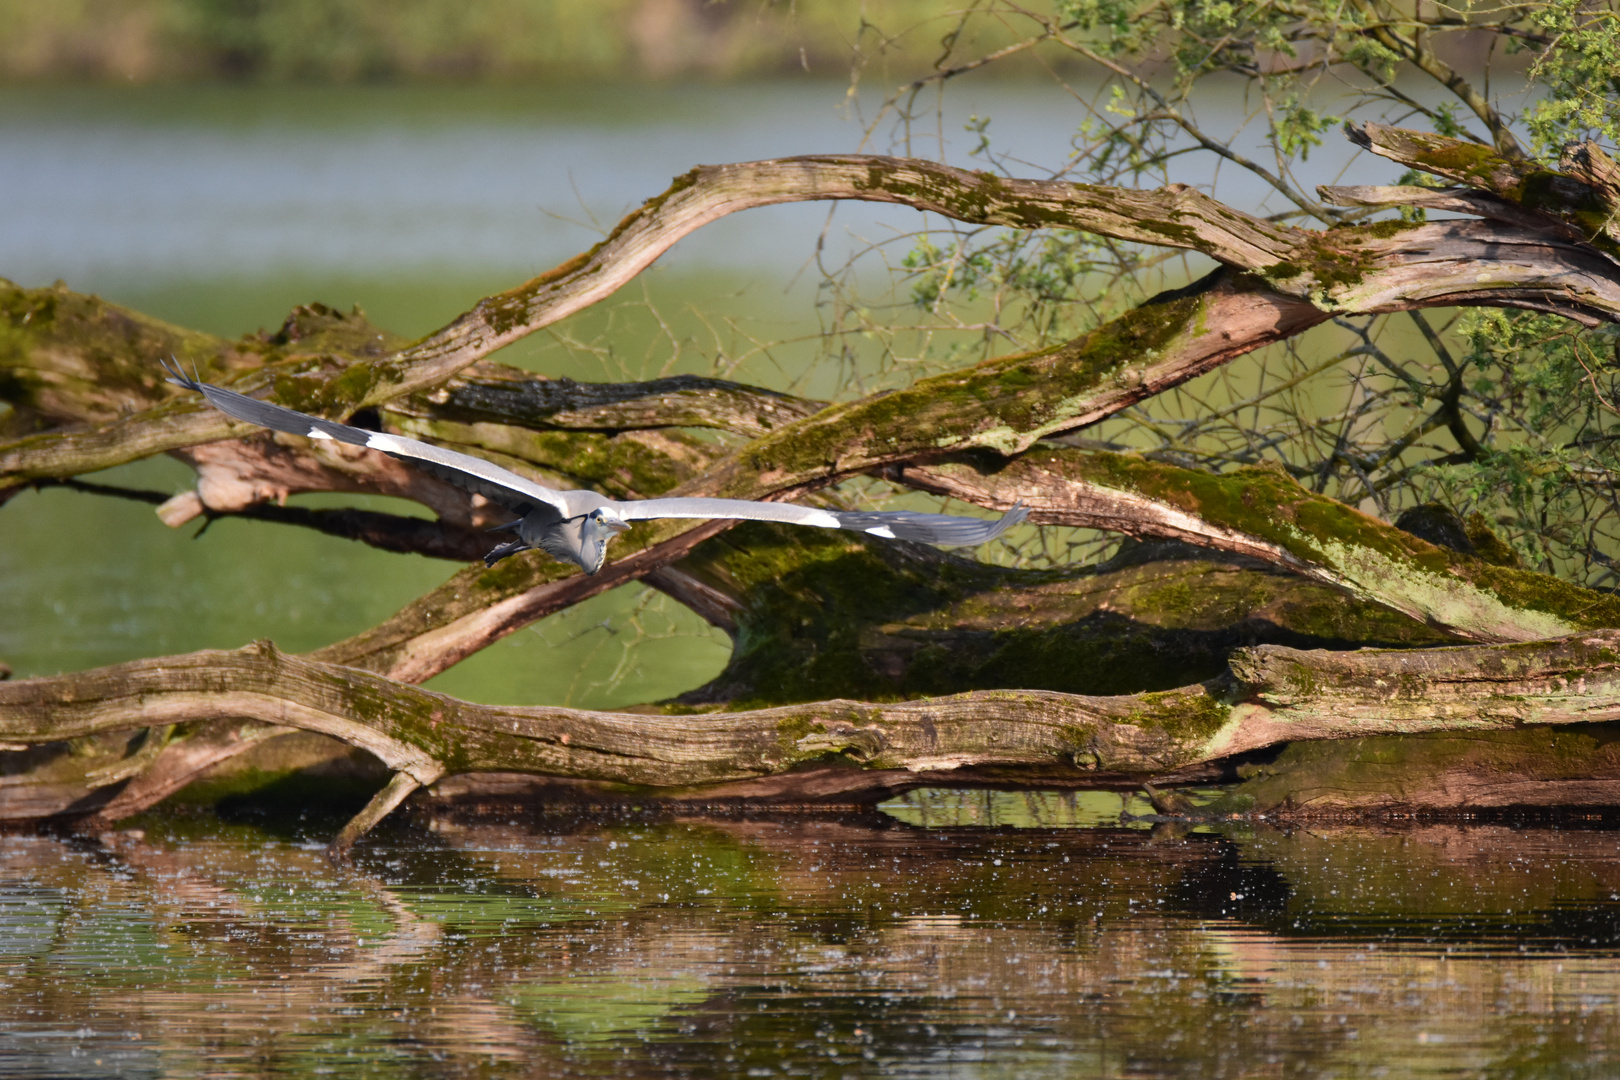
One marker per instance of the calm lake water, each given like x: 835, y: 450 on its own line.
x: 813, y: 947
x: 956, y: 935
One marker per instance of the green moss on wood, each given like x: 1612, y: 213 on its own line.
x: 1004, y: 404
x: 1373, y: 557
x: 1183, y: 716
x: 1489, y: 546
x: 828, y: 615
x: 624, y: 466
x: 72, y: 357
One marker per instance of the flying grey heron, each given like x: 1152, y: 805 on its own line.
x: 575, y: 526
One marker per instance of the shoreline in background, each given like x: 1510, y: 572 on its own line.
x: 449, y: 41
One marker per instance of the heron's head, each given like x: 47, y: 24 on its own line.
x: 594, y: 533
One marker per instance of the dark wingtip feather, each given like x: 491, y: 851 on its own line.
x: 947, y: 530
x: 1016, y: 516
x: 177, y: 375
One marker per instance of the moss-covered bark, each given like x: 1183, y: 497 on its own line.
x: 1263, y: 513
x: 828, y: 615
x: 1579, y: 202
x: 1276, y: 695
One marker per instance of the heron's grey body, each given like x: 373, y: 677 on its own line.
x: 575, y: 525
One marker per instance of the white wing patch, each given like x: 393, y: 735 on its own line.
x: 386, y: 443
x: 883, y: 531
x: 317, y: 433
x: 821, y: 519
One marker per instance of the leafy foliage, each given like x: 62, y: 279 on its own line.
x: 1507, y: 413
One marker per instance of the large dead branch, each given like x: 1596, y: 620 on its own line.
x: 89, y: 364
x: 1345, y: 270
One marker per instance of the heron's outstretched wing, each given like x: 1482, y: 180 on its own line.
x: 463, y: 470
x: 945, y: 529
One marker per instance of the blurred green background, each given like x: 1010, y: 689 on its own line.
x: 455, y: 41
x: 215, y: 162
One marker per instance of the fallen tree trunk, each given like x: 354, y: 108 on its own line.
x: 1275, y: 695
x: 1532, y: 769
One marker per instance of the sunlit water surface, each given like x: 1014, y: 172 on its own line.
x: 816, y: 947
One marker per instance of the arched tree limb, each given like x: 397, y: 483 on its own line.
x: 1350, y: 270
